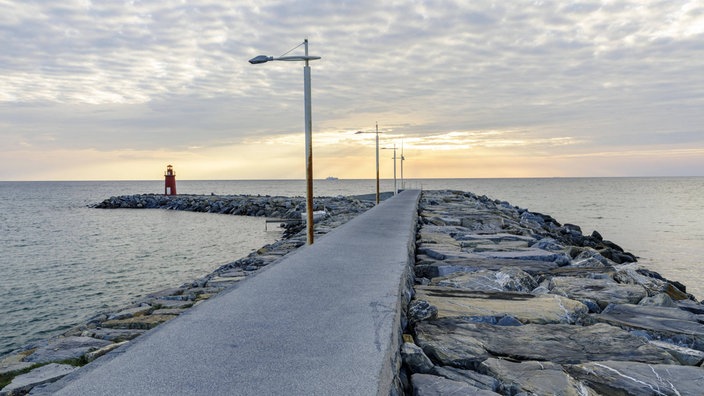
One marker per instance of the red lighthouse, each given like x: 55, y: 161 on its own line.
x: 170, y: 181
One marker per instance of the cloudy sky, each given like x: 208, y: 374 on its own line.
x: 104, y: 90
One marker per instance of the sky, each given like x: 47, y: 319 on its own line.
x: 116, y: 90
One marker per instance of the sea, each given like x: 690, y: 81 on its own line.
x: 62, y: 262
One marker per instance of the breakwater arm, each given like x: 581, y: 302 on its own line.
x: 512, y: 302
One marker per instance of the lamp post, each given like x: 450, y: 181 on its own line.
x: 377, y: 159
x: 403, y: 184
x: 394, y: 149
x: 308, y: 127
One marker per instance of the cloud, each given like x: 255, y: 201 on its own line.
x: 135, y: 75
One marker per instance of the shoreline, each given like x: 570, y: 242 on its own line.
x: 116, y: 328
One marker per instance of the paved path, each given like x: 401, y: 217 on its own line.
x: 323, y: 321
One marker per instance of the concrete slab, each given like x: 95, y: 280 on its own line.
x: 323, y: 321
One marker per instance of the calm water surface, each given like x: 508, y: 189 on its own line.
x: 61, y: 262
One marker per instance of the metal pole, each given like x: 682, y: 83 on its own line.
x: 395, y: 188
x: 377, y: 163
x: 309, y: 149
x: 403, y: 186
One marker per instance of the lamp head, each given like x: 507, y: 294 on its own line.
x: 261, y: 59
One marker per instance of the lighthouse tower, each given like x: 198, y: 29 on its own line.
x: 170, y: 181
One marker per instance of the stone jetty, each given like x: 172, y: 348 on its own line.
x: 511, y: 302
x: 48, y: 360
x: 505, y: 302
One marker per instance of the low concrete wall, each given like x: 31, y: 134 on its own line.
x: 325, y: 320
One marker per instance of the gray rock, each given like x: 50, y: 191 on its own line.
x: 131, y: 312
x: 473, y: 378
x: 527, y: 308
x: 527, y: 254
x: 686, y: 356
x: 432, y: 385
x: 114, y: 335
x: 414, y: 358
x: 421, y: 310
x: 506, y: 279
x: 65, y: 348
x: 632, y: 378
x: 41, y: 375
x: 459, y: 343
x: 663, y: 323
x: 532, y: 377
x: 433, y: 269
x: 659, y: 300
x: 602, y: 291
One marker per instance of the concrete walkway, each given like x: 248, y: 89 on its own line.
x: 323, y: 321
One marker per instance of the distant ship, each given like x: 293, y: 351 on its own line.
x: 331, y: 178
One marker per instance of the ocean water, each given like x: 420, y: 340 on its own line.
x: 61, y: 262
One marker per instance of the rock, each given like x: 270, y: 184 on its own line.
x: 421, y: 310
x: 506, y: 279
x: 130, y: 312
x: 663, y: 323
x: 686, y: 356
x: 459, y: 343
x: 473, y: 378
x: 527, y: 308
x: 432, y: 385
x: 447, y: 267
x: 65, y: 348
x: 114, y: 335
x: 41, y: 375
x: 13, y: 363
x: 630, y: 274
x: 603, y: 291
x: 414, y: 358
x: 533, y: 378
x: 140, y: 322
x: 90, y: 356
x: 632, y: 378
x: 528, y: 254
x: 659, y: 300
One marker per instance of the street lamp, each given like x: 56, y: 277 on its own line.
x: 309, y: 126
x: 377, y: 159
x: 394, y: 149
x: 403, y: 184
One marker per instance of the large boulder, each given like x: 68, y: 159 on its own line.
x: 432, y: 385
x: 604, y: 291
x: 632, y: 378
x: 663, y: 323
x: 461, y: 343
x: 527, y: 308
x: 533, y: 378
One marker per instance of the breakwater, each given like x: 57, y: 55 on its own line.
x: 512, y: 302
x: 51, y: 359
x: 506, y: 302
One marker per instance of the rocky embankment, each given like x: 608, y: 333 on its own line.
x: 511, y: 302
x: 49, y: 360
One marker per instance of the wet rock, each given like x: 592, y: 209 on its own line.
x: 533, y: 378
x: 632, y: 378
x: 527, y: 308
x: 42, y: 375
x: 432, y: 385
x: 459, y: 343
